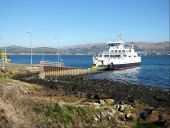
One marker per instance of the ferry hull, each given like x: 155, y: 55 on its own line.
x: 123, y: 66
x: 118, y: 66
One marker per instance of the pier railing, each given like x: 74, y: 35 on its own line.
x: 56, y: 69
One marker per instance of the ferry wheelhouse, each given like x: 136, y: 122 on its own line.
x: 117, y: 57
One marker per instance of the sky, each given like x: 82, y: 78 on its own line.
x: 59, y: 23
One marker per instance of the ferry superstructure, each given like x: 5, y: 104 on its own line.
x: 117, y: 57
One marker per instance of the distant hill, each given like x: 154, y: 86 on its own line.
x: 144, y: 48
x: 162, y: 48
x: 85, y: 48
x: 17, y: 50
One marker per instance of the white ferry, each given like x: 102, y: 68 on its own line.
x: 117, y: 57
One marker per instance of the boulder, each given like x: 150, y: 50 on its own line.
x: 131, y: 116
x: 121, y: 108
x: 150, y: 115
x: 96, y: 105
x: 109, y: 101
x: 102, y: 102
x: 154, y: 116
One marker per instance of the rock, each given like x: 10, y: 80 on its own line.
x: 128, y: 115
x: 113, y: 111
x: 109, y: 101
x: 42, y: 76
x: 104, y: 114
x: 98, y: 116
x: 116, y: 106
x: 131, y: 117
x: 102, y: 102
x: 144, y: 114
x: 95, y: 118
x: 128, y: 109
x: 150, y: 115
x: 121, y: 108
x: 97, y: 105
x: 121, y: 118
x: 109, y: 118
x: 153, y: 116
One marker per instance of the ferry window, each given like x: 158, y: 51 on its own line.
x: 123, y: 51
x: 124, y: 55
x: 119, y: 50
x: 100, y: 55
x: 115, y: 51
x: 129, y: 50
x: 129, y: 56
x: 111, y: 45
x: 134, y: 56
x: 112, y: 56
x: 117, y: 55
x: 112, y: 51
x: 106, y: 55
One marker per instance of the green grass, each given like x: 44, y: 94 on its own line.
x: 147, y: 125
x: 67, y: 115
x: 4, y: 80
x: 63, y: 114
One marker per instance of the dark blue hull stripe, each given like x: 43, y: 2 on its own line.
x: 122, y: 66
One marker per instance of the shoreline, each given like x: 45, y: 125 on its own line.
x: 93, y: 73
x: 97, y: 101
x: 93, y: 89
x: 167, y: 89
x: 40, y: 54
x: 82, y: 87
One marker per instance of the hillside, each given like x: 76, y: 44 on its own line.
x: 17, y: 49
x: 144, y: 48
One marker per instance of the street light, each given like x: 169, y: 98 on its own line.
x: 42, y: 52
x: 0, y: 38
x: 3, y: 58
x: 30, y: 45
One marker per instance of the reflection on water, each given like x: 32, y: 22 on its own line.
x: 128, y: 76
x: 136, y: 76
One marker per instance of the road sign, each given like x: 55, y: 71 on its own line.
x: 3, y: 54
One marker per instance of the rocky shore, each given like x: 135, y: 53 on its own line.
x: 82, y: 87
x: 78, y: 102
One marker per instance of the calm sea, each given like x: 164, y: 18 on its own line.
x: 154, y: 70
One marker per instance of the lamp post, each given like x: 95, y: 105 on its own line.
x: 42, y: 52
x: 30, y: 46
x: 3, y: 56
